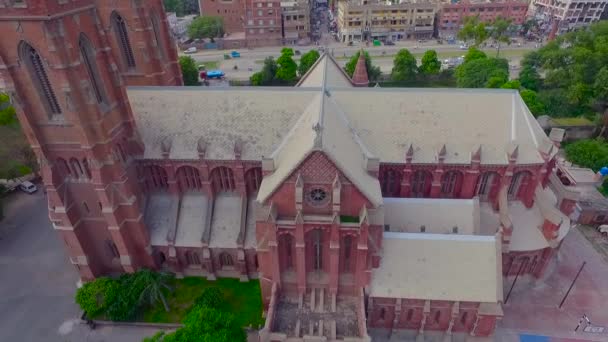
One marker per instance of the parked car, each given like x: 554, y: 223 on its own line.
x: 603, y: 229
x: 463, y: 47
x: 389, y: 42
x: 28, y: 187
x: 235, y: 54
x: 190, y: 50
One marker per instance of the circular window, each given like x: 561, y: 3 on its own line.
x: 317, y: 196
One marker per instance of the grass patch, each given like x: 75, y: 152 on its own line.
x: 576, y: 121
x: 243, y: 299
x: 349, y: 219
x: 211, y: 65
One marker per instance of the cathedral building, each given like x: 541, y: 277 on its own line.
x: 355, y: 207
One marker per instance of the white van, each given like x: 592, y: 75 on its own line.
x: 28, y: 187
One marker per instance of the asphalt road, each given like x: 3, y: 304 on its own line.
x: 38, y: 283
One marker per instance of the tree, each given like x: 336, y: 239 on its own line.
x: 211, y: 297
x: 430, y: 64
x: 404, y: 67
x: 189, y: 70
x: 287, y: 67
x: 600, y: 92
x: 474, y: 53
x: 499, y: 32
x: 266, y: 76
x: 512, y: 84
x: 95, y: 297
x: 307, y: 60
x: 204, y: 324
x: 531, y: 99
x: 7, y: 112
x: 529, y: 78
x: 482, y: 73
x: 373, y: 72
x: 473, y: 30
x: 206, y: 27
x: 182, y: 7
x: 591, y: 153
x: 154, y: 284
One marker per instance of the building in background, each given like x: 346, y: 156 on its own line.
x: 451, y: 16
x: 559, y: 16
x: 361, y: 20
x: 179, y: 25
x: 263, y: 23
x: 296, y: 21
x: 231, y: 11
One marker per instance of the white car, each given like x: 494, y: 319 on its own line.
x: 463, y: 47
x: 28, y: 187
x: 190, y: 50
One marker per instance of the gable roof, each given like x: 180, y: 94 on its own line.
x: 325, y: 72
x: 323, y: 127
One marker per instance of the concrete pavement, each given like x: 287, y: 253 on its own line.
x: 38, y: 283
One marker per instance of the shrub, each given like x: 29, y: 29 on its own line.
x: 211, y: 297
x: 206, y: 324
x: 95, y: 297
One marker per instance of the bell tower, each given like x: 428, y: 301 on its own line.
x: 66, y: 64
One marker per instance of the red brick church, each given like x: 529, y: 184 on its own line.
x: 355, y: 207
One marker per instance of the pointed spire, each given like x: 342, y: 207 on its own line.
x: 476, y: 154
x: 409, y: 155
x: 360, y: 78
x: 441, y: 154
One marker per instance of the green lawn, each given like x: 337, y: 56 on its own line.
x: 244, y: 300
x: 210, y: 65
x: 576, y: 121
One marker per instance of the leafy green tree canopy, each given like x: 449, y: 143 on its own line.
x: 592, y: 153
x: 287, y: 67
x: 536, y: 106
x: 482, y: 73
x: 307, y: 60
x: 182, y: 7
x: 373, y: 72
x: 266, y: 76
x: 404, y: 66
x: 95, y: 297
x: 473, y: 30
x: 189, y: 70
x: 430, y: 64
x: 474, y: 53
x: 500, y: 32
x: 7, y: 112
x: 206, y: 27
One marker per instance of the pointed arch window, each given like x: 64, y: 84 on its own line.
x: 35, y: 67
x: 160, y: 45
x: 88, y: 57
x: 122, y: 36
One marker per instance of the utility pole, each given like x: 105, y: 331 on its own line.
x: 572, y: 285
x: 521, y: 267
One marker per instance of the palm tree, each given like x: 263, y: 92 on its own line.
x: 153, y: 285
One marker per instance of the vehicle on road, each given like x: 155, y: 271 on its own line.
x: 603, y: 229
x: 235, y: 54
x: 215, y: 74
x: 28, y: 187
x: 389, y: 42
x: 463, y: 47
x: 190, y: 50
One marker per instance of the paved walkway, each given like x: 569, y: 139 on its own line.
x: 534, y: 308
x: 38, y: 283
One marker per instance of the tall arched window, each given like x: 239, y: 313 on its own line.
x: 122, y: 36
x: 192, y: 258
x: 518, y: 182
x: 222, y: 179
x: 226, y: 260
x: 253, y: 179
x: 160, y: 44
x: 286, y: 243
x: 40, y: 79
x: 391, y: 180
x: 155, y: 178
x: 87, y: 170
x: 76, y: 168
x: 451, y: 184
x: 112, y: 249
x: 318, y: 250
x: 63, y: 168
x: 188, y: 179
x: 485, y: 183
x: 88, y: 57
x: 421, y: 184
x: 347, y: 245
